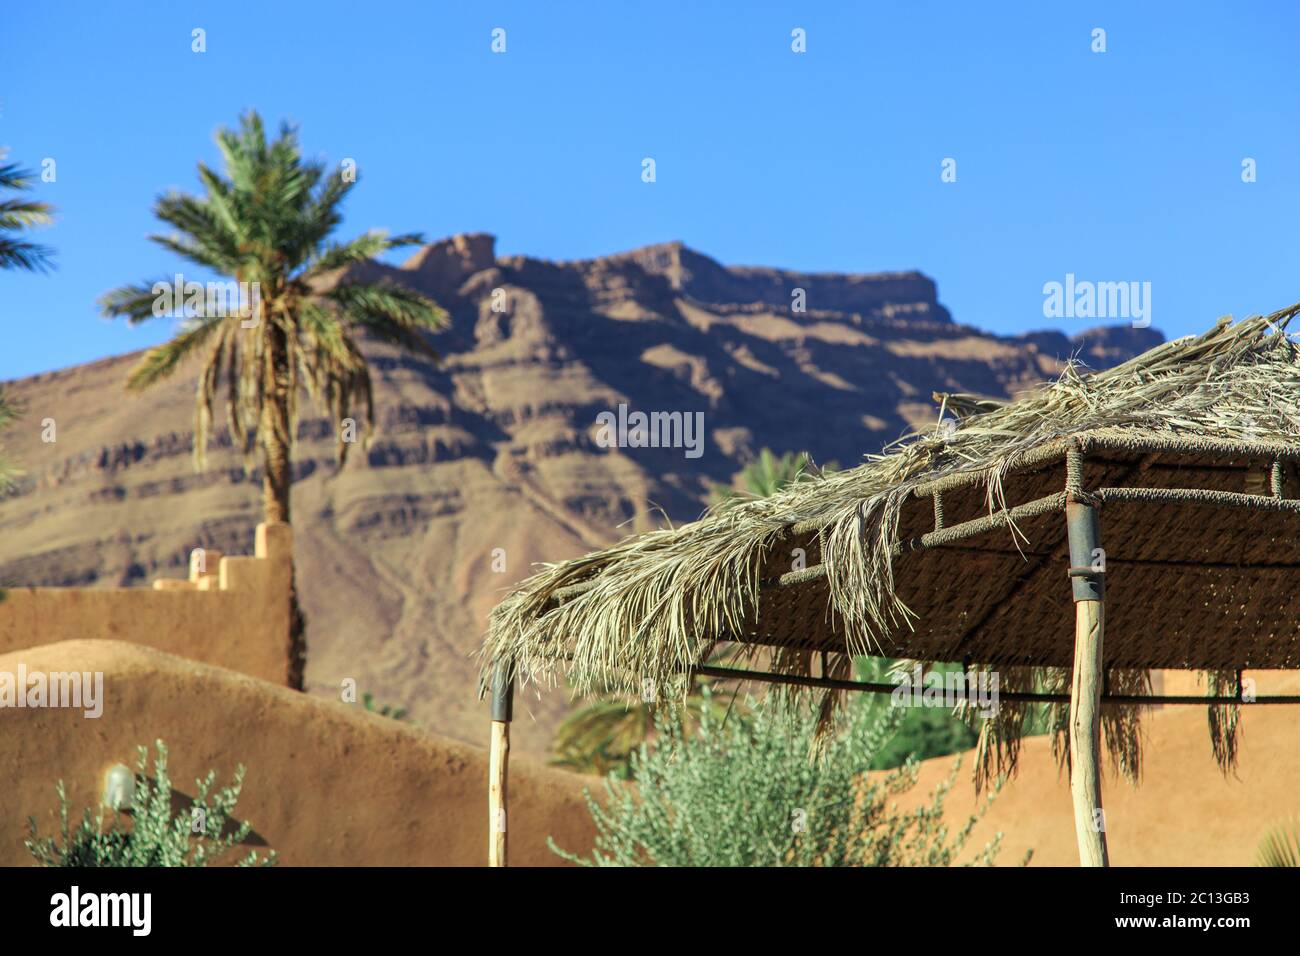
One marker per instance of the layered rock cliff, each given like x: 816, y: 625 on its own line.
x: 487, y: 462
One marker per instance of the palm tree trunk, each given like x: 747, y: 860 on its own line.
x: 277, y: 475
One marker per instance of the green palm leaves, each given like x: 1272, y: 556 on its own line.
x: 265, y: 222
x: 767, y: 474
x: 17, y: 215
x: 601, y: 736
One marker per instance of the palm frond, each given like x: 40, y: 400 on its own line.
x: 203, y: 229
x: 23, y: 214
x: 366, y: 246
x: 17, y: 215
x: 1280, y: 847
x: 335, y: 371
x: 29, y: 256
x: 322, y: 215
x: 13, y: 176
x: 393, y: 313
x: 135, y: 303
x: 160, y: 361
x: 197, y: 252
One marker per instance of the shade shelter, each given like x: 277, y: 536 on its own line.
x: 1070, y: 541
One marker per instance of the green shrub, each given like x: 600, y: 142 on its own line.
x: 748, y: 792
x: 927, y: 732
x: 923, y: 732
x: 156, y: 837
x: 600, y: 736
x: 387, y: 710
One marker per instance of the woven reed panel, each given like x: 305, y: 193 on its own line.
x: 1188, y: 585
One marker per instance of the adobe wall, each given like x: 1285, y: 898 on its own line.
x: 232, y: 612
x: 1185, y: 812
x: 328, y: 784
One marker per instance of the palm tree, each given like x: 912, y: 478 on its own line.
x: 17, y: 215
x: 266, y: 224
x: 600, y: 736
x: 767, y: 474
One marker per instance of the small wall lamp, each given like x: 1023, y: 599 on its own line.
x: 119, y: 787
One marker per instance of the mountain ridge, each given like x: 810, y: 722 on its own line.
x: 492, y: 449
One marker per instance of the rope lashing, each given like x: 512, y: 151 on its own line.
x: 1074, y: 476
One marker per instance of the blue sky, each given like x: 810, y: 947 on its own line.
x: 1115, y: 166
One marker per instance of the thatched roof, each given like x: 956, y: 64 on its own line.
x: 951, y: 546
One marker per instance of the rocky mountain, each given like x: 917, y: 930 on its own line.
x: 493, y: 459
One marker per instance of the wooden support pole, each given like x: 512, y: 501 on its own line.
x: 503, y: 694
x: 1087, y: 572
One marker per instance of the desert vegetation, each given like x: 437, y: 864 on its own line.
x: 159, y: 835
x: 373, y: 706
x: 601, y: 736
x: 766, y: 789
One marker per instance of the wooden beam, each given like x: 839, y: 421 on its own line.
x: 1087, y: 572
x: 503, y: 692
x: 1026, y: 697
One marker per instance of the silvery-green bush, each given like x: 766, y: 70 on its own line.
x: 157, y: 836
x: 757, y: 792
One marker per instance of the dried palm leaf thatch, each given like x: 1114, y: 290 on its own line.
x: 1224, y: 719
x: 997, y: 752
x: 1121, y: 723
x: 652, y: 605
